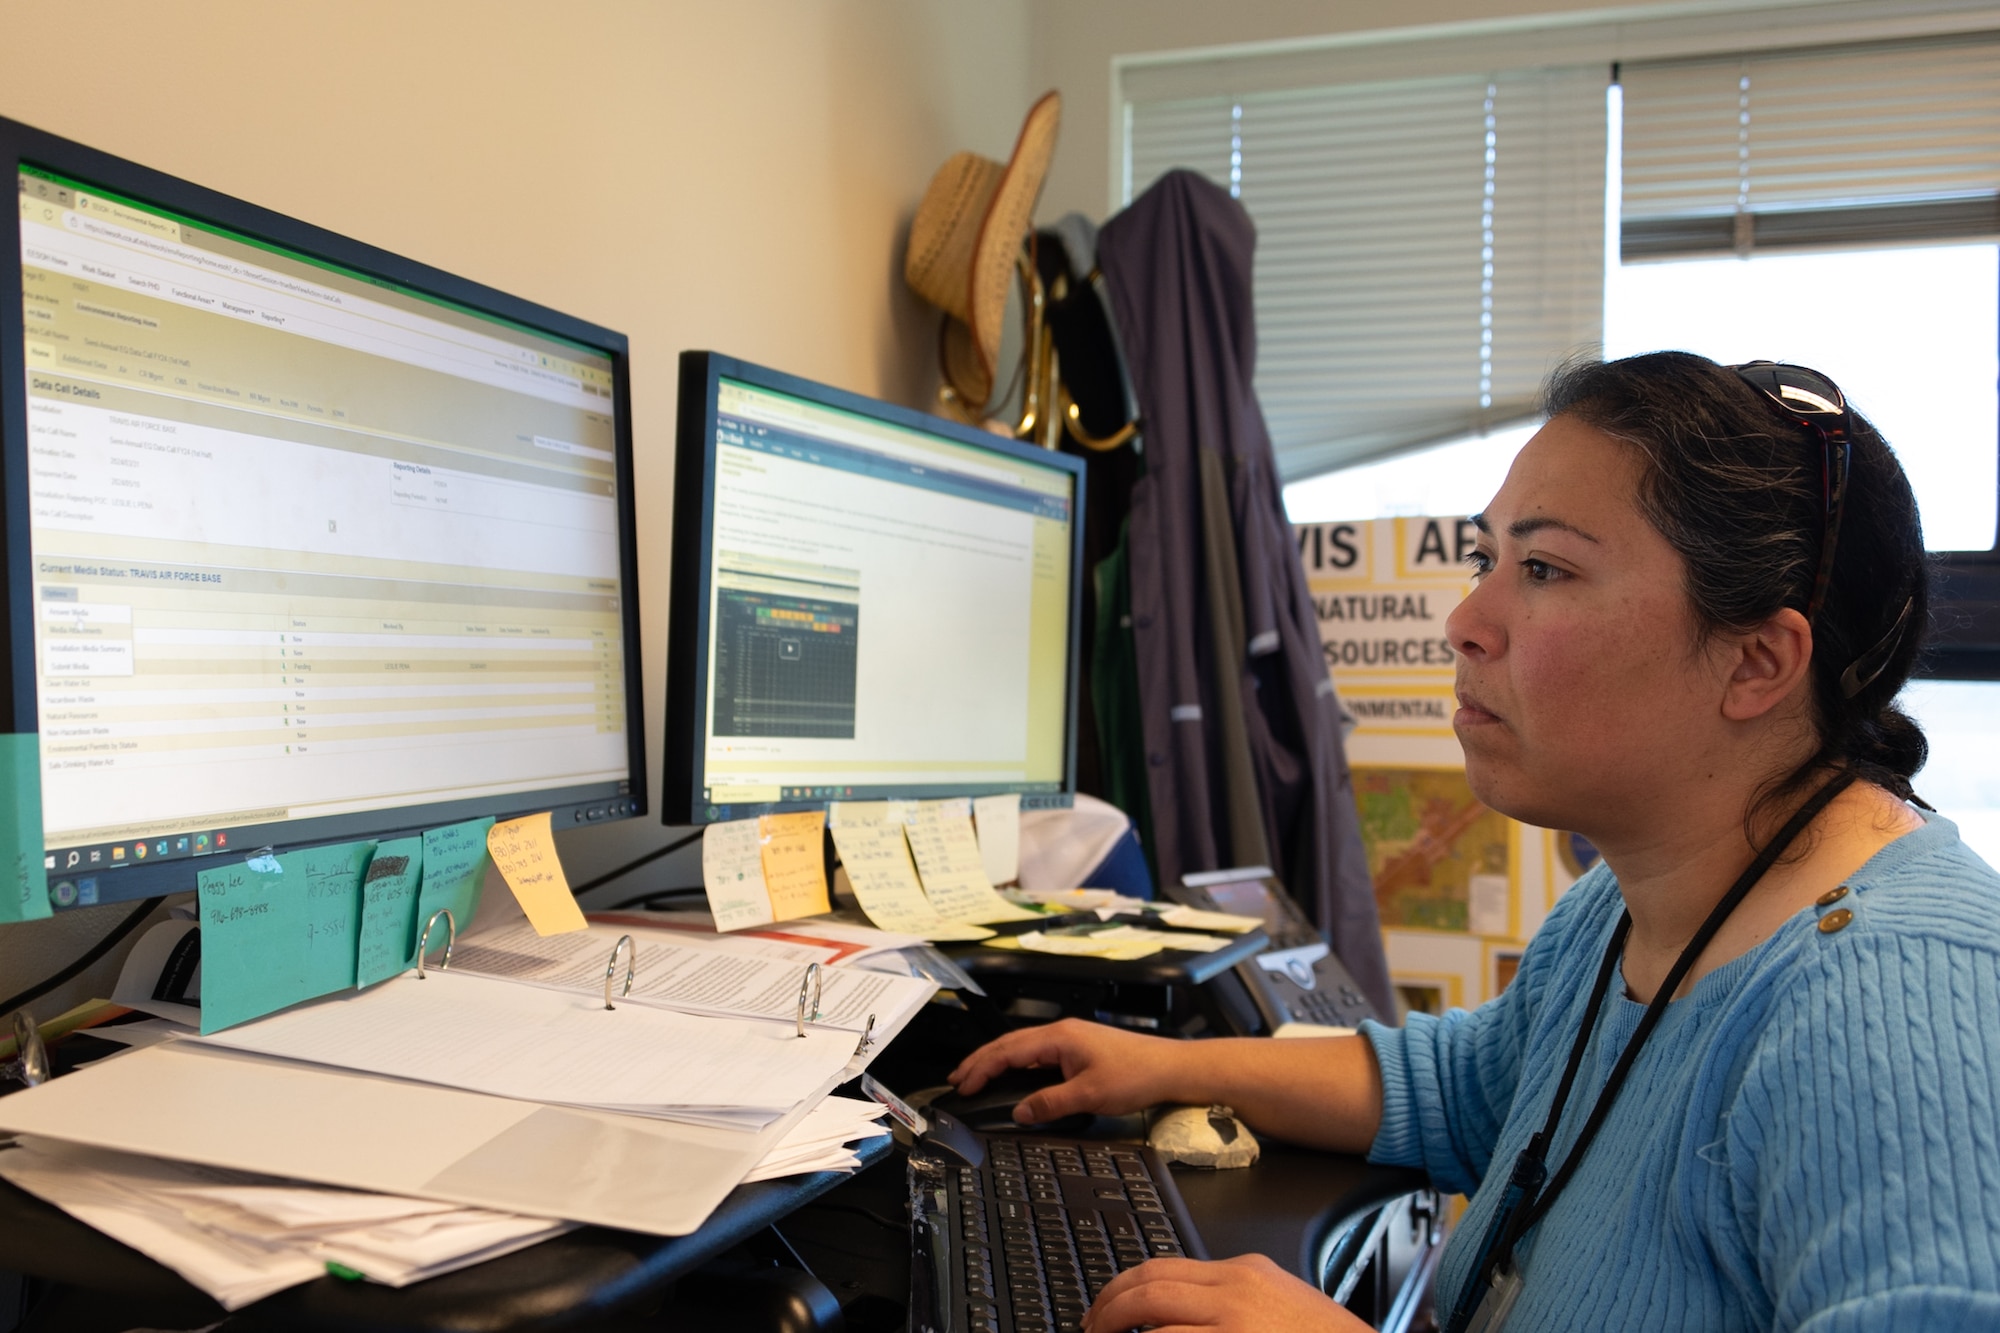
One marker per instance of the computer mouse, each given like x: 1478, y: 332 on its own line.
x: 991, y: 1109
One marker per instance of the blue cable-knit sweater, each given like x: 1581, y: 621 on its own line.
x: 1809, y: 1140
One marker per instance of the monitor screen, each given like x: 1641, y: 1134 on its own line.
x: 868, y: 603
x: 319, y: 543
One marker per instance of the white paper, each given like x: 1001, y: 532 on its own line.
x: 999, y: 821
x: 1184, y: 917
x: 817, y: 1142
x: 686, y: 929
x: 1486, y: 904
x: 240, y: 1237
x: 732, y: 871
x: 731, y: 977
x: 196, y: 1103
x: 533, y: 1044
x: 141, y: 974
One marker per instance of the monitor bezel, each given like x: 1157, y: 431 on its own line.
x: 701, y: 375
x: 571, y: 806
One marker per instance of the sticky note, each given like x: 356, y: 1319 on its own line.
x: 525, y: 851
x: 999, y: 821
x: 732, y: 870
x: 885, y: 883
x: 281, y: 932
x: 794, y: 856
x: 454, y: 868
x: 949, y: 864
x: 389, y: 888
x: 840, y: 814
x: 24, y: 879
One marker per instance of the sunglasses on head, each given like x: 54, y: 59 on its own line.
x: 1814, y: 403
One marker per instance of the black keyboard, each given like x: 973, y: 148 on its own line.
x: 1024, y: 1240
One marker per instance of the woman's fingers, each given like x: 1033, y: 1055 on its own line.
x: 1028, y: 1046
x: 1249, y: 1294
x: 1159, y: 1301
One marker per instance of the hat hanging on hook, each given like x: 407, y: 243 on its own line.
x: 964, y: 241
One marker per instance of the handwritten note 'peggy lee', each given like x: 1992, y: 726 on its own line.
x: 525, y: 852
x: 278, y: 929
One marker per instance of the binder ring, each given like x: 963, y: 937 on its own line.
x: 631, y: 951
x: 867, y: 1037
x: 814, y: 981
x: 424, y: 940
x: 31, y: 1063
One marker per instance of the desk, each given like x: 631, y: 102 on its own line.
x: 1284, y: 1207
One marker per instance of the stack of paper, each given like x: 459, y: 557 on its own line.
x: 819, y: 1141
x: 537, y: 1045
x: 239, y: 1237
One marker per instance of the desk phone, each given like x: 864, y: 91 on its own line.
x: 1297, y: 981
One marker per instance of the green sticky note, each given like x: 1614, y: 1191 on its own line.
x: 276, y: 930
x: 454, y: 868
x: 388, y: 941
x: 24, y: 879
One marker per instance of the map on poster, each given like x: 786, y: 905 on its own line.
x: 1438, y: 856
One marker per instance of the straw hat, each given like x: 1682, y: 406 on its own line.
x: 965, y: 236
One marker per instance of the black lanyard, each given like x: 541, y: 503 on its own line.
x: 1530, y: 1190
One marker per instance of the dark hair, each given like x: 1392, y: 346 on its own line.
x: 1736, y: 491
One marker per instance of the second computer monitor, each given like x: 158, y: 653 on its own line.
x: 868, y: 603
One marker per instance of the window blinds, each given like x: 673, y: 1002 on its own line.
x: 1843, y: 146
x: 1427, y: 248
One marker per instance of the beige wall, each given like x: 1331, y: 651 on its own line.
x: 694, y: 174
x: 1074, y: 44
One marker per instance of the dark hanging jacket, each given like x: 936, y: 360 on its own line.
x: 1243, y: 754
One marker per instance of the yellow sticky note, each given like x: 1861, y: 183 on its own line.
x: 885, y: 883
x: 732, y: 871
x: 525, y: 852
x: 948, y: 862
x: 794, y: 863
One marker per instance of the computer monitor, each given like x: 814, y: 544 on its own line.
x: 868, y: 603
x: 305, y: 542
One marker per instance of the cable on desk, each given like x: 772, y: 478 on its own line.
x: 647, y: 859
x: 76, y: 969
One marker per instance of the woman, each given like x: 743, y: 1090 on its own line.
x: 1699, y: 592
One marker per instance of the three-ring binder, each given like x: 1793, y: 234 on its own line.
x: 631, y: 951
x: 424, y: 940
x: 813, y: 982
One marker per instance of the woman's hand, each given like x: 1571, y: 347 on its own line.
x: 1250, y: 1294
x: 1105, y: 1071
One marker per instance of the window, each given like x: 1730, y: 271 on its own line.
x: 1426, y: 246
x: 1837, y: 207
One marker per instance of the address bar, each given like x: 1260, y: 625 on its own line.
x: 752, y: 407
x: 323, y: 314
x: 345, y: 325
x: 325, y: 296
